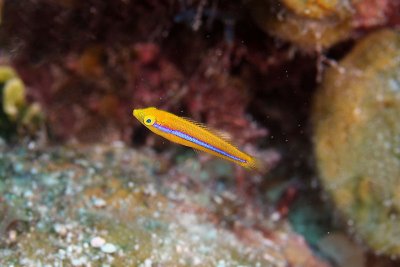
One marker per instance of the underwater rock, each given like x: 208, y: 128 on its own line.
x: 357, y: 139
x: 342, y: 251
x: 318, y: 9
x: 146, y: 218
x: 311, y: 25
x: 320, y: 24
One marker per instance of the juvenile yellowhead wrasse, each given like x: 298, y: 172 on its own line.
x: 193, y: 134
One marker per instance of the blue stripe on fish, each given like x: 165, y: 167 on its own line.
x: 196, y: 141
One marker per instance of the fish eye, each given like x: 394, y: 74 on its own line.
x: 149, y: 120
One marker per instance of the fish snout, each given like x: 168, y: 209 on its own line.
x: 138, y: 114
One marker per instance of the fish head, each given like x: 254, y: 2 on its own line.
x: 146, y: 116
x: 151, y: 118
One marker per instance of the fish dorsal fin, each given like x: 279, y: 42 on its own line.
x: 221, y: 134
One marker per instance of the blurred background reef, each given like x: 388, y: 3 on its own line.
x: 312, y: 88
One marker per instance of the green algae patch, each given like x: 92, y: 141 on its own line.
x: 357, y: 139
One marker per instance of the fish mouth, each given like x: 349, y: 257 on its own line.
x: 138, y: 114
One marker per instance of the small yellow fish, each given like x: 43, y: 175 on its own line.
x: 193, y: 134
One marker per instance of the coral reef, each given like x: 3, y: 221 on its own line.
x: 320, y: 24
x: 357, y: 141
x: 290, y: 21
x: 248, y: 68
x: 97, y: 72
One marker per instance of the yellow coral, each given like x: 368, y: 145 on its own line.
x: 311, y: 25
x: 13, y: 97
x: 317, y: 9
x: 6, y: 72
x: 357, y: 141
x: 17, y: 116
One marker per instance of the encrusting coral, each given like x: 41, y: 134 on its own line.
x: 357, y: 138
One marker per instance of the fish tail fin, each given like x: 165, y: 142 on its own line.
x: 255, y: 165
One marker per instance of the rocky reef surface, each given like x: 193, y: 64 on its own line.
x: 109, y: 205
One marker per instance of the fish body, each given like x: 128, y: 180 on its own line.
x: 193, y: 134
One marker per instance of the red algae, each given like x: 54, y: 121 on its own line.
x: 90, y: 87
